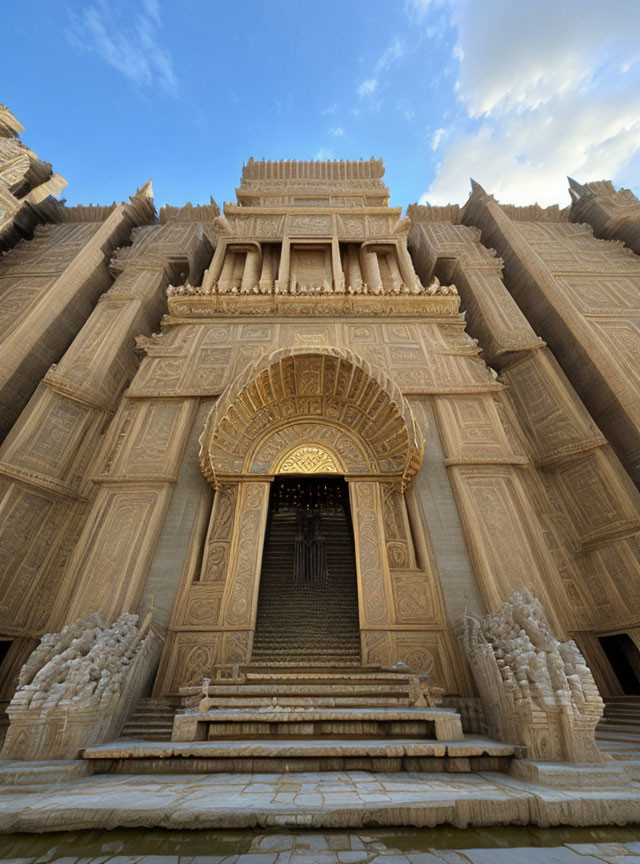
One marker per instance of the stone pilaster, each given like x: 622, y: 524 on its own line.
x: 583, y: 499
x: 573, y: 302
x: 48, y: 460
x: 110, y: 562
x: 50, y: 287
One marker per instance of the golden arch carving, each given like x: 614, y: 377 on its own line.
x: 309, y: 459
x: 334, y: 398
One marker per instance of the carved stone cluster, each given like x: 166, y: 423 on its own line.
x: 296, y: 289
x: 85, y: 663
x: 75, y: 687
x: 536, y: 690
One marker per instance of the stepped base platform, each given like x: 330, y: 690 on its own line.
x: 442, y: 724
x: 301, y: 800
x: 260, y: 757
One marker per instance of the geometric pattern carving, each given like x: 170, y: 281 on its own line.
x: 309, y: 460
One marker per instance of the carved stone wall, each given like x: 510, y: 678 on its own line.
x: 27, y: 185
x: 580, y: 294
x: 48, y: 287
x: 50, y: 458
x: 517, y: 485
x: 583, y: 501
x: 614, y: 214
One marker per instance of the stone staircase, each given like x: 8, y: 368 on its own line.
x: 299, y: 719
x: 618, y: 733
x: 305, y: 702
x: 152, y: 720
x: 307, y: 623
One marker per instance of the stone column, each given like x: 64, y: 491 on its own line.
x: 48, y: 461
x: 353, y: 264
x: 336, y: 266
x: 212, y: 275
x: 251, y: 273
x: 405, y: 264
x: 282, y: 285
x: 371, y: 269
x: 224, y: 283
x: 396, y: 277
x: 266, y: 277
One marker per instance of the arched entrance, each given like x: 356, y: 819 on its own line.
x: 312, y: 413
x: 308, y: 595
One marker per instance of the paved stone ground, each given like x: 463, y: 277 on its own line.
x: 353, y: 799
x: 335, y: 848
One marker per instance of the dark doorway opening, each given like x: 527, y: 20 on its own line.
x: 308, y: 595
x: 624, y: 657
x: 5, y: 644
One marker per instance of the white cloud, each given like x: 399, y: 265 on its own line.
x: 436, y: 138
x: 405, y: 108
x: 331, y: 109
x: 392, y: 54
x: 324, y: 154
x: 517, y: 55
x: 367, y: 88
x: 544, y: 84
x: 337, y: 131
x: 417, y: 8
x: 127, y: 42
x: 367, y: 91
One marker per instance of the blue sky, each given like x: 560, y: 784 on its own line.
x: 516, y: 93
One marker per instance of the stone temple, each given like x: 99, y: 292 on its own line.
x: 309, y: 485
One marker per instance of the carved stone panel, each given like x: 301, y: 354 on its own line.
x: 376, y: 607
x: 241, y: 590
x: 499, y: 524
x: 114, y: 551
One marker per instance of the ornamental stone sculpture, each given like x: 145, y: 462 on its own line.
x: 535, y: 690
x: 78, y: 686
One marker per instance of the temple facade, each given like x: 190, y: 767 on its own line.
x: 311, y: 433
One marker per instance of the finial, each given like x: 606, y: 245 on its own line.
x: 145, y: 191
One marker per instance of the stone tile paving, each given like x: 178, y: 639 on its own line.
x: 353, y: 800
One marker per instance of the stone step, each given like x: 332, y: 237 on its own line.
x: 276, y: 722
x: 140, y: 719
x: 273, y: 688
x: 316, y: 700
x: 295, y: 672
x: 144, y: 731
x: 604, y: 735
x: 265, y: 653
x: 618, y: 723
x: 257, y: 756
x: 632, y: 713
x: 308, y: 663
x: 296, y: 642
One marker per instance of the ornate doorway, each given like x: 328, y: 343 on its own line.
x: 308, y: 595
x: 321, y: 411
